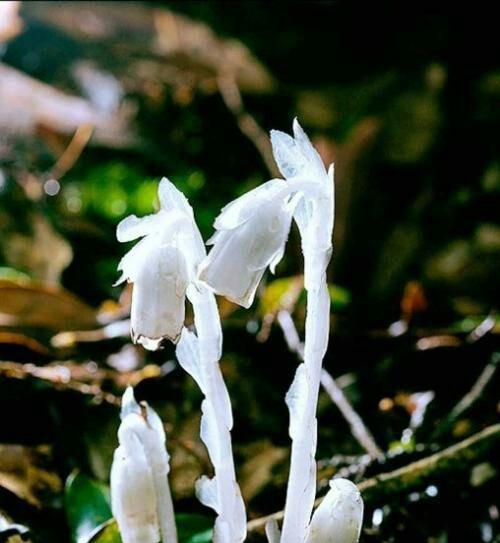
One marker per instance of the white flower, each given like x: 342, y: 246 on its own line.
x: 140, y: 496
x: 252, y: 231
x: 161, y: 266
x: 339, y: 516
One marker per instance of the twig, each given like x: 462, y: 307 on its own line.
x: 231, y: 96
x: 456, y: 458
x: 477, y: 389
x: 471, y: 397
x: 86, y: 379
x: 73, y: 151
x: 358, y: 427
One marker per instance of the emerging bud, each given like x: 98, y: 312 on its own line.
x: 339, y: 517
x: 140, y: 496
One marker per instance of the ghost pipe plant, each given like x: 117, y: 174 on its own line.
x: 140, y: 495
x: 251, y: 234
x: 163, y: 267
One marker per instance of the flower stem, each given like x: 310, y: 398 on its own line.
x: 301, y: 488
x: 231, y: 523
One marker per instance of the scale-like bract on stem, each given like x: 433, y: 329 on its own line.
x: 163, y: 267
x: 251, y: 234
x: 140, y: 495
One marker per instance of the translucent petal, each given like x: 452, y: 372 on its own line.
x: 172, y: 198
x: 129, y: 405
x: 289, y: 158
x: 212, y: 240
x: 241, y: 209
x: 158, y: 296
x: 276, y: 259
x: 339, y: 517
x: 266, y: 234
x: 308, y: 151
x: 236, y: 263
x: 225, y: 270
x: 289, y: 209
x: 133, y: 227
x: 131, y: 264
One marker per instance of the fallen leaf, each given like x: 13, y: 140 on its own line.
x: 45, y: 306
x: 23, y: 472
x: 87, y: 504
x: 43, y: 253
x: 28, y: 103
x: 257, y: 471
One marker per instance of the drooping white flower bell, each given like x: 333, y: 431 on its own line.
x: 161, y: 266
x: 252, y: 231
x: 339, y: 517
x: 140, y: 495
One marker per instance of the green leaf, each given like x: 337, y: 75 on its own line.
x: 11, y: 274
x: 106, y: 533
x: 90, y: 518
x: 191, y: 528
x: 87, y: 506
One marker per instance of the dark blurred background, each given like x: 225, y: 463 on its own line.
x: 99, y: 100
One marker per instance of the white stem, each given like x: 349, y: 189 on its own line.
x: 217, y: 408
x: 358, y: 428
x: 301, y: 488
x: 302, y: 398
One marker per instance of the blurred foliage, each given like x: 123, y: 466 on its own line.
x: 98, y: 102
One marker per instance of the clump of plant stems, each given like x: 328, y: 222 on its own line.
x: 170, y: 264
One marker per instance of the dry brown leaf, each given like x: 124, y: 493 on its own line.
x: 257, y: 471
x: 28, y: 104
x: 190, y: 55
x: 189, y: 457
x: 13, y: 340
x: 44, y: 253
x: 198, y: 44
x: 33, y: 304
x: 23, y: 472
